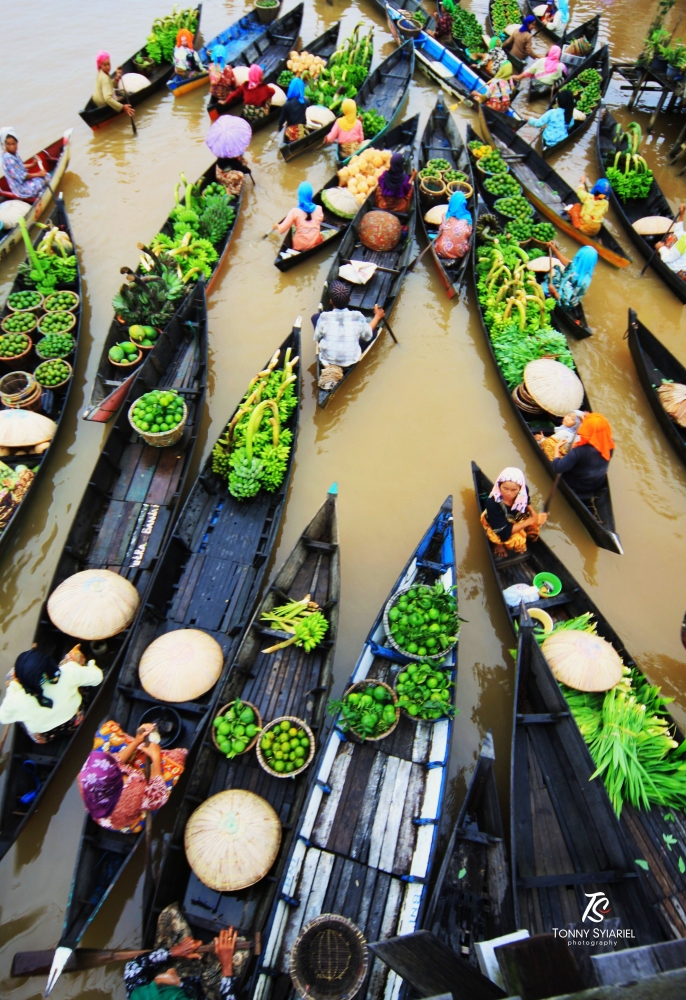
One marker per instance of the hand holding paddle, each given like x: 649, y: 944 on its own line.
x: 126, y: 103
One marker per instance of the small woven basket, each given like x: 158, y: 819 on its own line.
x: 33, y: 316
x: 74, y: 305
x: 361, y: 687
x: 162, y: 439
x: 391, y: 603
x: 64, y: 312
x: 129, y: 365
x: 258, y: 723
x: 272, y: 725
x: 15, y: 363
x: 60, y: 385
x: 20, y: 391
x: 35, y: 308
x: 329, y: 959
x: 466, y: 189
x: 432, y: 188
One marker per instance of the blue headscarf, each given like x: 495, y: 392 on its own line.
x: 457, y: 208
x: 219, y: 56
x: 526, y: 23
x: 305, y: 193
x: 563, y: 8
x: 601, y: 187
x: 583, y: 265
x: 296, y: 88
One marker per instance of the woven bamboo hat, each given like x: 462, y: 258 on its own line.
x: 653, y: 225
x: 329, y: 959
x: 181, y: 665
x: 232, y: 840
x: 93, y: 604
x: 582, y: 660
x: 24, y: 428
x: 673, y: 398
x: 554, y: 386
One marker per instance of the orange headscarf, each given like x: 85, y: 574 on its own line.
x: 184, y: 33
x: 596, y: 431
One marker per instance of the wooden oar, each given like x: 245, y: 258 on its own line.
x: 147, y: 819
x: 127, y: 101
x: 553, y: 491
x: 388, y: 327
x: 650, y: 259
x: 418, y: 258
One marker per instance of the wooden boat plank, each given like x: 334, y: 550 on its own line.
x: 379, y: 972
x: 382, y: 818
x: 166, y: 478
x: 128, y: 468
x: 359, y: 845
x: 339, y: 823
x: 407, y: 832
x: 142, y: 477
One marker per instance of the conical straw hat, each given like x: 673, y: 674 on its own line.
x: 94, y: 604
x: 554, y: 386
x: 582, y: 660
x: 24, y: 428
x: 232, y: 840
x: 181, y: 665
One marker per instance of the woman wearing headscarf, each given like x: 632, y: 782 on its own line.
x: 44, y: 697
x: 509, y: 518
x: 494, y: 58
x: 584, y: 467
x: 556, y: 16
x: 454, y: 232
x: 105, y: 86
x: 347, y: 130
x: 223, y: 84
x: 185, y: 59
x: 293, y: 112
x: 570, y: 285
x: 393, y: 193
x: 112, y: 782
x: 499, y: 91
x: 564, y: 435
x: 547, y: 70
x: 23, y: 183
x: 558, y: 120
x: 305, y: 220
x: 257, y: 96
x: 519, y: 42
x: 588, y: 213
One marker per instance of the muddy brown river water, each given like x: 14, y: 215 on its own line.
x: 398, y: 439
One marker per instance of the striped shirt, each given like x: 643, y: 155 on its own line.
x: 339, y: 333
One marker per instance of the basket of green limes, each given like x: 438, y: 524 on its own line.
x: 236, y: 728
x: 13, y: 349
x: 159, y: 417
x: 53, y: 374
x: 286, y: 747
x: 21, y: 321
x: 61, y: 302
x: 55, y: 345
x: 56, y: 322
x: 24, y: 301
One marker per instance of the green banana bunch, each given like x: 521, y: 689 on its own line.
x: 301, y: 618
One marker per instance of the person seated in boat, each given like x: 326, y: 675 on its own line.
x: 347, y: 130
x: 548, y: 70
x: 499, y: 91
x: 588, y: 213
x: 519, y: 44
x: 45, y: 697
x: 338, y: 332
x: 509, y: 519
x: 564, y: 435
x: 230, y: 171
x: 584, y: 467
x: 257, y: 96
x: 672, y: 249
x: 223, y: 86
x: 556, y: 16
x: 452, y: 241
x: 569, y: 284
x: 105, y: 92
x: 306, y: 220
x: 557, y: 121
x: 493, y: 59
x: 293, y: 115
x: 176, y: 970
x: 393, y: 193
x: 112, y: 782
x: 23, y: 183
x: 186, y: 61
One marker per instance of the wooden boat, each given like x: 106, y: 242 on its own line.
x: 557, y: 774
x: 479, y: 905
x: 366, y: 845
x: 110, y: 386
x: 631, y: 211
x: 54, y: 158
x: 589, y: 29
x: 291, y: 683
x: 599, y: 61
x: 544, y: 188
x: 597, y: 516
x: 655, y: 365
x: 270, y: 51
x: 400, y: 139
x: 441, y: 138
x: 207, y: 578
x: 242, y: 32
x: 411, y: 7
x: 382, y: 289
x: 53, y: 402
x: 384, y: 91
x: 122, y: 524
x: 96, y: 117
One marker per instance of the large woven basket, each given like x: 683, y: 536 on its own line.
x: 329, y: 959
x: 308, y: 760
x: 65, y: 312
x: 16, y: 361
x: 361, y: 686
x: 392, y: 601
x: 258, y: 717
x: 20, y: 391
x: 463, y: 186
x: 163, y: 439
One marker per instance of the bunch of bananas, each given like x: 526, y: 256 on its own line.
x: 303, y: 619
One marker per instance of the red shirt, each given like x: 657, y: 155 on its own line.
x: 258, y: 96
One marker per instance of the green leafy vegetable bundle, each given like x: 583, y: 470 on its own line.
x: 372, y: 123
x: 253, y: 452
x: 369, y: 713
x: 149, y: 299
x: 303, y: 619
x: 424, y: 620
x: 51, y: 265
x: 629, y: 173
x: 162, y: 38
x: 345, y: 72
x: 424, y: 691
x: 206, y: 212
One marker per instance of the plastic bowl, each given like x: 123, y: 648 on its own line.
x: 554, y: 583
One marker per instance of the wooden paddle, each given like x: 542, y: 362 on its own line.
x: 553, y: 491
x: 147, y: 819
x: 418, y: 258
x: 127, y: 101
x: 650, y: 259
x: 387, y: 325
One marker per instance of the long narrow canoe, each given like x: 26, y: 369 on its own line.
x: 366, y: 846
x: 270, y: 51
x: 121, y: 524
x: 662, y: 914
x: 383, y: 288
x: 599, y: 61
x: 287, y: 683
x: 235, y: 38
x: 53, y: 402
x: 400, y: 139
x: 589, y: 29
x: 655, y: 365
x: 54, y: 158
x: 631, y: 211
x: 96, y: 117
x: 442, y: 139
x: 478, y: 905
x: 207, y: 578
x: 597, y: 516
x: 544, y: 188
x: 110, y: 386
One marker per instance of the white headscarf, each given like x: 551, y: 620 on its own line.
x: 4, y: 133
x: 512, y: 475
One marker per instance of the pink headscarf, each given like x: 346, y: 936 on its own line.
x: 552, y: 61
x: 102, y: 57
x: 512, y: 475
x: 255, y: 76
